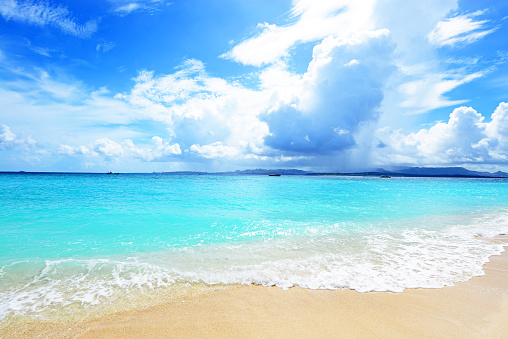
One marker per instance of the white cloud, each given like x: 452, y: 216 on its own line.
x: 362, y: 55
x: 334, y: 97
x: 106, y: 148
x: 126, y: 7
x: 461, y: 29
x: 315, y: 20
x: 40, y: 50
x: 428, y: 91
x: 497, y: 130
x: 69, y: 150
x: 464, y: 139
x: 162, y: 150
x: 10, y: 141
x: 215, y: 150
x: 65, y: 111
x: 410, y: 22
x: 426, y: 79
x: 317, y: 112
x: 42, y: 13
x: 105, y: 46
x: 352, y: 63
x: 199, y: 109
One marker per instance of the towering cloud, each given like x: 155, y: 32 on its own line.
x: 342, y: 89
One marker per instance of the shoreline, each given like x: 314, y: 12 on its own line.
x: 477, y: 307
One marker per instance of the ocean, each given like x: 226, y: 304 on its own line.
x: 75, y: 246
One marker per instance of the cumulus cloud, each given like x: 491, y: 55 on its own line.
x: 460, y: 30
x: 497, y: 130
x: 363, y: 51
x: 110, y: 150
x: 42, y: 13
x: 415, y: 88
x: 215, y: 150
x: 201, y: 110
x: 342, y: 89
x: 316, y: 112
x: 314, y: 20
x: 464, y: 139
x: 10, y: 141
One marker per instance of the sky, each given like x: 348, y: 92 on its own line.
x: 219, y: 85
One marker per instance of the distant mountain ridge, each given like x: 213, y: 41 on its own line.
x: 260, y: 171
x: 445, y: 171
x: 257, y: 171
x: 401, y: 172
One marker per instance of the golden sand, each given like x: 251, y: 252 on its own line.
x: 477, y: 308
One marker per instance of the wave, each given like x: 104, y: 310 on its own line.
x: 411, y: 253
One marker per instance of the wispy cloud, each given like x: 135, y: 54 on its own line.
x: 126, y: 7
x: 40, y: 50
x: 43, y: 13
x: 315, y: 20
x: 429, y: 90
x: 460, y: 30
x: 105, y: 46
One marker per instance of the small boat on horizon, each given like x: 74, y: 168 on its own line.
x: 274, y: 175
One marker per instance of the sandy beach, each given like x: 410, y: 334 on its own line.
x: 476, y: 308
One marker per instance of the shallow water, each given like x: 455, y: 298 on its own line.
x: 74, y: 245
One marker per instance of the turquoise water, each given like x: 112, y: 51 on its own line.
x: 84, y: 240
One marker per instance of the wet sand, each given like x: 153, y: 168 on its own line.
x: 476, y: 308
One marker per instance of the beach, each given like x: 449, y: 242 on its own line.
x: 475, y: 308
x: 253, y: 169
x: 240, y: 256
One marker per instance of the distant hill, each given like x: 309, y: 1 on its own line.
x: 401, y: 172
x: 445, y: 171
x: 257, y: 171
x: 260, y: 171
x: 501, y: 174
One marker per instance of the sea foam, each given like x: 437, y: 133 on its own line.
x: 369, y: 259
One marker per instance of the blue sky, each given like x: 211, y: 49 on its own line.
x: 345, y: 85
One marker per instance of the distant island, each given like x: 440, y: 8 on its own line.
x: 443, y: 172
x: 457, y: 172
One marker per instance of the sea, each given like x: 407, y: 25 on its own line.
x: 76, y: 246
